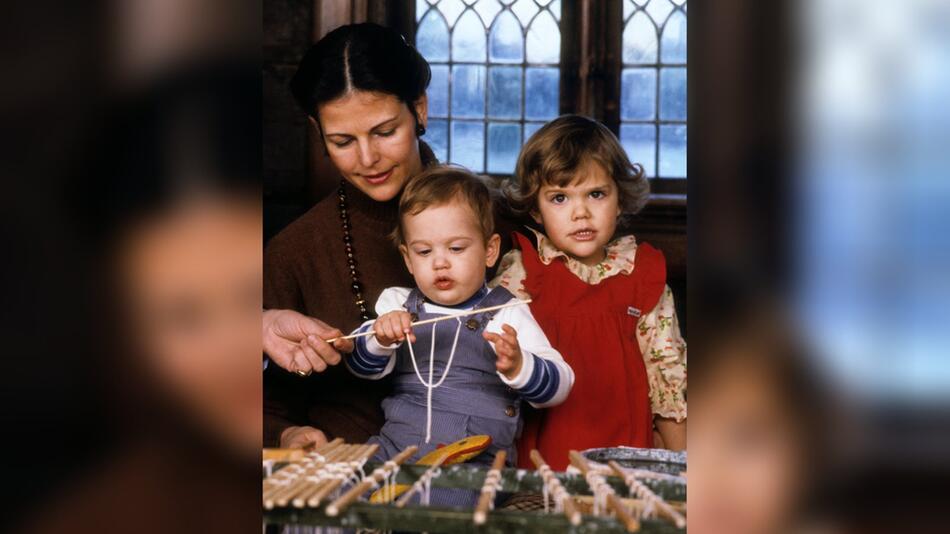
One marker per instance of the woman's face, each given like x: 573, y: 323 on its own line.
x: 192, y: 281
x: 371, y: 139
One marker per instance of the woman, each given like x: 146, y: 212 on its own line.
x: 363, y: 88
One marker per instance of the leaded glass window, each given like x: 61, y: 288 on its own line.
x: 653, y: 86
x: 495, y: 76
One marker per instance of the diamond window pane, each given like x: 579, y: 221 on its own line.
x: 639, y: 40
x: 673, y: 94
x: 639, y: 140
x: 432, y: 38
x: 438, y: 91
x: 544, y: 40
x: 673, y: 151
x: 628, y: 8
x: 487, y: 9
x: 638, y: 94
x: 437, y: 137
x: 451, y: 9
x: 421, y: 8
x: 503, y: 146
x: 468, y: 91
x: 674, y: 39
x: 468, y: 39
x: 468, y: 144
x: 506, y: 42
x: 659, y: 10
x: 524, y: 10
x: 530, y: 128
x: 541, y: 93
x: 504, y: 92
x: 555, y: 9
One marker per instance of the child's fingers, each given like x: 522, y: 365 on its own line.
x: 395, y: 327
x: 509, y: 329
x: 503, y: 342
x: 384, y: 333
x: 505, y: 364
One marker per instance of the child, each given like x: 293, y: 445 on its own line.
x: 484, y: 364
x: 604, y: 303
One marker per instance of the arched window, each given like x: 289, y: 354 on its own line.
x: 495, y: 76
x: 653, y: 86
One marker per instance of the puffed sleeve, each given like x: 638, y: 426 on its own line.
x: 664, y: 353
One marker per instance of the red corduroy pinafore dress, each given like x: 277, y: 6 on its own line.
x: 594, y: 328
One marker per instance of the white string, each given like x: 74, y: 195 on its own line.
x: 429, y: 385
x: 600, y: 489
x: 552, y: 487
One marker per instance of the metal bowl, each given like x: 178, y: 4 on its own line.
x: 656, y: 460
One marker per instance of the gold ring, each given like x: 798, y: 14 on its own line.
x: 301, y: 372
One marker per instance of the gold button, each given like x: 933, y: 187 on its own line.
x: 510, y: 411
x: 471, y: 324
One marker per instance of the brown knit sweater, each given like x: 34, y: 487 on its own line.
x: 305, y: 269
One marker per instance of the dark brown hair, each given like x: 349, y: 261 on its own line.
x: 440, y: 185
x: 554, y: 154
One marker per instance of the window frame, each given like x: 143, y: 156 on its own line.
x: 590, y: 72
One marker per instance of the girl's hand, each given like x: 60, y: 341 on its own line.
x: 507, y: 350
x: 393, y: 327
x: 296, y: 342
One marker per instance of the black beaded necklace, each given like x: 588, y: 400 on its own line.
x: 355, y: 286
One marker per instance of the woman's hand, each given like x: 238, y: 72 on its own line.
x: 393, y: 327
x: 296, y: 342
x: 507, y: 350
x: 297, y: 437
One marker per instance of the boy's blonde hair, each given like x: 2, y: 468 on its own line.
x: 440, y: 185
x: 554, y: 154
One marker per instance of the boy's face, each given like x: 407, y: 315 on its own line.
x: 446, y: 252
x: 580, y: 218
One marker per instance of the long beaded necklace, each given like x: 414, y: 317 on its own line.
x: 356, y: 287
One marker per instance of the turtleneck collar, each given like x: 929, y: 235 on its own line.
x: 360, y: 203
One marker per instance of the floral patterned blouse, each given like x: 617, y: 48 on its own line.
x: 658, y: 332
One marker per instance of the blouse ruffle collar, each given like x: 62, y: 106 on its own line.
x: 621, y: 253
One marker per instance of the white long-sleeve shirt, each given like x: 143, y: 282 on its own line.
x: 545, y: 379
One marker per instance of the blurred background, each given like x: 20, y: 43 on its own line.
x: 817, y: 182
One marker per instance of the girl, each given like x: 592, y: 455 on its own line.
x: 602, y: 302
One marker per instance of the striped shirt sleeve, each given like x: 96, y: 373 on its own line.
x: 370, y: 359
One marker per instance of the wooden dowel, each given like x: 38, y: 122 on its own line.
x: 665, y: 509
x: 365, y: 452
x: 404, y: 498
x: 334, y: 508
x: 488, y: 493
x: 437, y: 319
x: 333, y: 453
x: 308, y: 488
x: 282, y: 496
x: 567, y: 503
x: 630, y: 522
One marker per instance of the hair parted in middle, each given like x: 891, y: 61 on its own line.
x: 362, y: 57
x: 440, y: 185
x: 555, y: 153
